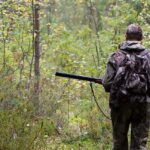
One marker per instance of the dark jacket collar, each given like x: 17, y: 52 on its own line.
x: 131, y: 46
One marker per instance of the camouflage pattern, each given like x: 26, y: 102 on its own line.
x: 129, y: 112
x: 136, y: 114
x: 112, y: 67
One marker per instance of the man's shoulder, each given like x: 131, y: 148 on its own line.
x: 148, y: 51
x: 117, y: 56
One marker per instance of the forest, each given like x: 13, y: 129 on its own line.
x: 39, y: 111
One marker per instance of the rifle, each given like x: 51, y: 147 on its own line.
x: 79, y: 77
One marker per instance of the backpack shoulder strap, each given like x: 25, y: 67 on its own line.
x: 145, y: 52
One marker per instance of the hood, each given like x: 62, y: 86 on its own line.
x: 132, y: 46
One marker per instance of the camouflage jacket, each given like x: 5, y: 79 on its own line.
x: 112, y: 66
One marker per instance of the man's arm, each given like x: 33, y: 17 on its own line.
x: 148, y: 73
x: 109, y: 73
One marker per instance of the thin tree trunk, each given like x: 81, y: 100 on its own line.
x: 36, y: 47
x: 4, y: 41
x: 94, y: 24
x: 33, y: 47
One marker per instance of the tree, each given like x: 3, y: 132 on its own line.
x: 36, y: 49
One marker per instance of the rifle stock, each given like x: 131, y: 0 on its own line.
x: 78, y: 77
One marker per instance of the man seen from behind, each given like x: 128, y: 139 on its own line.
x: 127, y: 79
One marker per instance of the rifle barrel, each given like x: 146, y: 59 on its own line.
x: 79, y: 77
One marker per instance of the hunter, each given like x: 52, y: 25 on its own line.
x: 127, y: 79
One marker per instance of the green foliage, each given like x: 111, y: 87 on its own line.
x: 76, y: 37
x: 18, y: 131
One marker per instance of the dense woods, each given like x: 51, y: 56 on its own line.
x: 39, y: 111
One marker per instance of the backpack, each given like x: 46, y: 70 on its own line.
x: 131, y: 75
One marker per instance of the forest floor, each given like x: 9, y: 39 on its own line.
x: 80, y: 143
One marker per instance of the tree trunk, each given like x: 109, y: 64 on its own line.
x: 36, y: 48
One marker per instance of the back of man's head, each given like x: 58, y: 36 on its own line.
x: 134, y: 32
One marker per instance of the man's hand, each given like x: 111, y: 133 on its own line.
x: 99, y: 81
